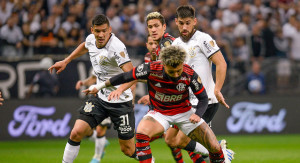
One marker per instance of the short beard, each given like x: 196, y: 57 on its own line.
x: 188, y: 37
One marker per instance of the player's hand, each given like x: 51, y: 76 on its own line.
x: 144, y: 100
x: 194, y: 118
x: 93, y: 91
x: 114, y: 95
x: 58, y: 66
x: 78, y: 84
x: 1, y: 99
x: 221, y: 99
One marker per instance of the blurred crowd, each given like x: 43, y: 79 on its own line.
x: 247, y: 31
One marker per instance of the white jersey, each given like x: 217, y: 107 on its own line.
x: 199, y: 49
x: 106, y: 63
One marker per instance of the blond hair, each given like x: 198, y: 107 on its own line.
x: 172, y: 55
x: 156, y: 15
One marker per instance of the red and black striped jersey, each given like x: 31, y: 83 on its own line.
x: 166, y: 96
x: 165, y: 41
x: 147, y: 57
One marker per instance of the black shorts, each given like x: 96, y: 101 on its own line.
x: 210, y: 112
x: 96, y: 110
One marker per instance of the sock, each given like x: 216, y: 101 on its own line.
x: 143, y: 148
x: 71, y: 151
x: 217, y: 157
x: 196, y: 147
x: 135, y: 156
x: 176, y: 152
x: 196, y: 158
x: 156, y: 137
x: 99, y: 147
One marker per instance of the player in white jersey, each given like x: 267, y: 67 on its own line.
x: 98, y: 135
x: 202, y: 51
x: 109, y: 57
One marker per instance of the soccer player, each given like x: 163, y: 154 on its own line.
x: 99, y: 133
x: 1, y: 99
x: 109, y: 57
x: 151, y: 46
x: 169, y: 81
x: 156, y: 26
x: 202, y: 51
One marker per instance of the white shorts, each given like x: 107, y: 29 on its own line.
x: 181, y: 120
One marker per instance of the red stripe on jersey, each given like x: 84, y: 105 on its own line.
x: 174, y: 111
x: 199, y: 91
x: 133, y: 74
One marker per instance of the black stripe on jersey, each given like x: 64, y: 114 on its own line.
x: 212, y: 54
x: 123, y: 63
x: 188, y: 69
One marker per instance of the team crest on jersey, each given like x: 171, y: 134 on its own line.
x: 212, y: 43
x: 122, y: 54
x: 140, y: 68
x: 192, y: 52
x: 180, y: 87
x: 88, y: 107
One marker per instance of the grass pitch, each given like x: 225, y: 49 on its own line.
x: 248, y: 148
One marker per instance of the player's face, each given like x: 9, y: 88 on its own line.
x: 102, y: 34
x: 156, y: 29
x: 151, y: 44
x: 174, y: 72
x: 186, y: 27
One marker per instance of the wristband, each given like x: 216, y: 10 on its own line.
x: 97, y: 86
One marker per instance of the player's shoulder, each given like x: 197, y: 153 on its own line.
x: 115, y: 44
x: 187, y: 69
x: 201, y: 35
x: 90, y: 37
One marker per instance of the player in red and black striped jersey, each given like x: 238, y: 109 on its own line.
x: 169, y: 81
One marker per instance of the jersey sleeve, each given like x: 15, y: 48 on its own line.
x: 121, y: 54
x: 199, y: 91
x: 208, y: 45
x: 142, y: 71
x: 89, y: 41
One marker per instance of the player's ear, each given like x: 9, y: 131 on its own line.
x: 92, y: 29
x: 176, y: 21
x: 195, y: 21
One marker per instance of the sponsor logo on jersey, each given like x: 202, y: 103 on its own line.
x: 141, y: 74
x: 196, y: 84
x: 88, y: 107
x: 140, y: 68
x: 167, y: 98
x: 207, y: 46
x: 157, y: 85
x: 180, y: 86
x: 122, y: 54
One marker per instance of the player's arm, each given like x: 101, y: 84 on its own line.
x: 199, y: 91
x: 134, y: 74
x: 86, y: 82
x: 61, y: 65
x: 221, y: 68
x: 115, y: 95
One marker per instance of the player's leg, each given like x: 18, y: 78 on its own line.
x: 177, y: 139
x: 170, y: 139
x: 147, y: 128
x: 79, y: 131
x: 100, y: 143
x: 204, y: 135
x: 90, y: 116
x: 122, y: 115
